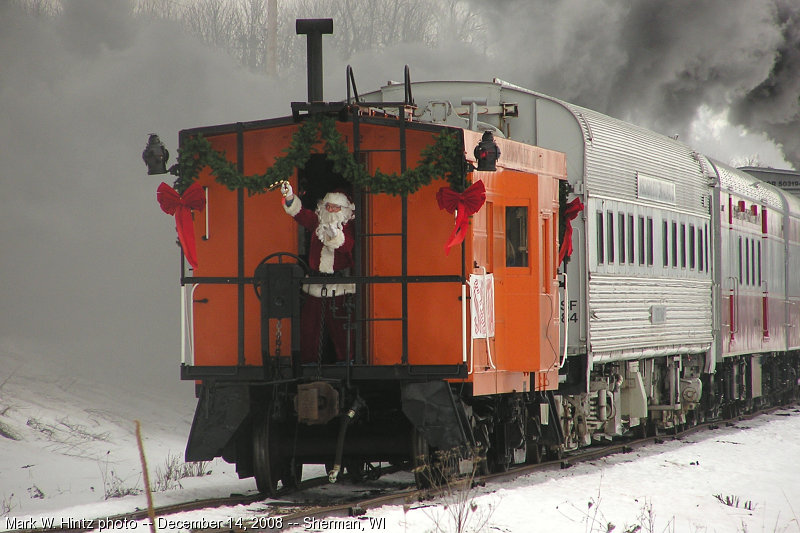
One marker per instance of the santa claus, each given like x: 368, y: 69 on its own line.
x: 330, y: 254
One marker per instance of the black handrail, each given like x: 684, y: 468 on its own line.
x: 409, y: 99
x: 351, y: 80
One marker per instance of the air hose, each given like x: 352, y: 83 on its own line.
x: 347, y: 418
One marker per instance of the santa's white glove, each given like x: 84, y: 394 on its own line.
x: 330, y: 232
x: 286, y: 189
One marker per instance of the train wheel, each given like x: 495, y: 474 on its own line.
x: 555, y: 453
x: 266, y: 460
x: 533, y: 435
x: 533, y: 453
x: 357, y: 470
x: 292, y: 474
x: 500, y: 454
x: 651, y: 428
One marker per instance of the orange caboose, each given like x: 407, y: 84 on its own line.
x: 436, y: 336
x: 413, y: 311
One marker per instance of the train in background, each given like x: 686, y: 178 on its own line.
x: 676, y: 304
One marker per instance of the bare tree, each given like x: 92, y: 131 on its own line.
x: 388, y: 22
x: 39, y: 8
x: 214, y: 21
x: 459, y: 21
x: 747, y: 161
x: 158, y: 9
x: 252, y: 33
x: 260, y: 33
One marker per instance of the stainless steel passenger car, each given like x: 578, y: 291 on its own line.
x: 679, y: 298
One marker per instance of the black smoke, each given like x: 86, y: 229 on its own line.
x: 773, y: 106
x: 658, y: 63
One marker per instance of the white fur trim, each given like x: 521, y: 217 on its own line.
x: 331, y: 288
x: 339, y: 199
x: 335, y: 241
x: 326, y: 260
x: 294, y: 207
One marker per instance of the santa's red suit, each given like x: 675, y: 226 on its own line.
x: 330, y: 254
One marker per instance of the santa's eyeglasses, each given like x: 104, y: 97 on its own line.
x: 332, y: 208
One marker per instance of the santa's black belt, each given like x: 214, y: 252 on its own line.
x: 337, y: 274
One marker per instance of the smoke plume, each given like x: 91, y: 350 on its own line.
x: 658, y: 64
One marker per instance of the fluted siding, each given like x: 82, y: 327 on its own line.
x: 739, y: 182
x: 620, y: 326
x: 616, y: 151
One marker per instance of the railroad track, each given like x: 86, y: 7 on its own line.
x: 281, y: 503
x: 298, y: 509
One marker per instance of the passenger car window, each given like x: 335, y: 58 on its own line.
x: 630, y: 240
x: 601, y: 248
x: 610, y: 228
x: 641, y: 240
x: 674, y: 244
x: 700, y: 258
x: 683, y: 245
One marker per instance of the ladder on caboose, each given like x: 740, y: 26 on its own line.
x: 405, y: 110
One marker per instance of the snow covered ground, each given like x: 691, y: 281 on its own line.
x: 65, y: 445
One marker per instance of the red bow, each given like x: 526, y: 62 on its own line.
x: 464, y: 204
x: 572, y: 210
x: 181, y: 206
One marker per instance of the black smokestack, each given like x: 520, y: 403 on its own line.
x: 313, y: 29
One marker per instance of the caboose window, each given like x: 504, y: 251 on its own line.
x: 665, y: 242
x: 691, y: 246
x: 649, y: 241
x: 517, y: 236
x: 621, y: 217
x: 610, y: 217
x: 705, y: 246
x: 601, y: 247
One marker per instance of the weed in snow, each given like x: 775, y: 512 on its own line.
x: 175, y: 469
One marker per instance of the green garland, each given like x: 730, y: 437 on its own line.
x: 442, y: 160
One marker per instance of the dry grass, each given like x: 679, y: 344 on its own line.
x: 168, y: 477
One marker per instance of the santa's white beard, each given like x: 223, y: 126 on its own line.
x: 335, y: 220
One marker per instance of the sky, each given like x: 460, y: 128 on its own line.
x: 89, y: 266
